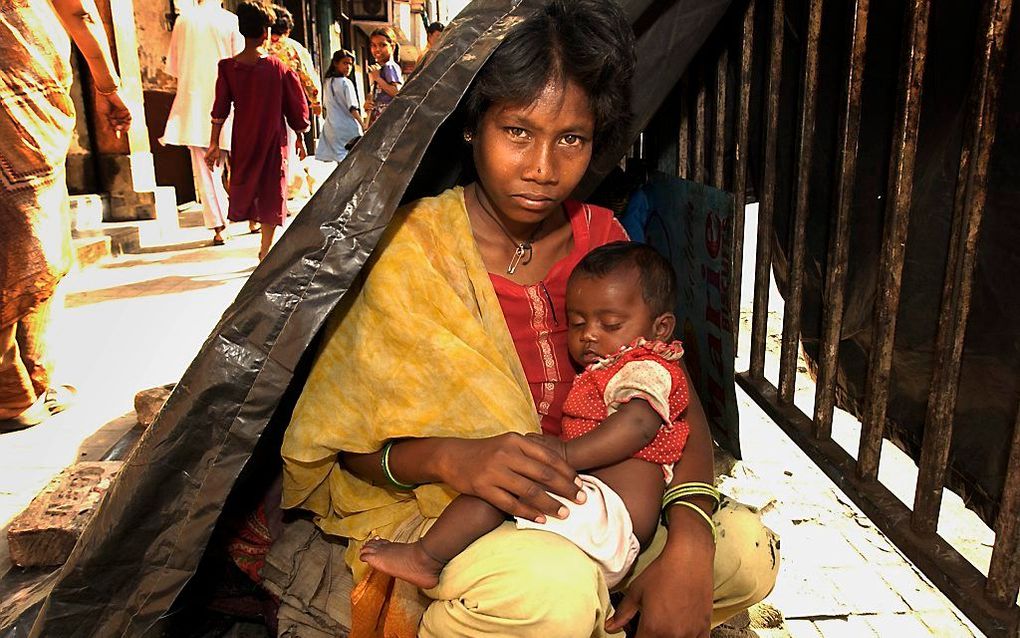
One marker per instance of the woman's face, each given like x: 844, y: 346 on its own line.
x: 382, y: 49
x: 343, y: 66
x: 530, y: 157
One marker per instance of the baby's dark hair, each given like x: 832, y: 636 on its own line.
x: 658, y: 279
x: 284, y: 22
x: 587, y: 41
x: 253, y: 18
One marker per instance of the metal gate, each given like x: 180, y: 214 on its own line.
x: 714, y: 129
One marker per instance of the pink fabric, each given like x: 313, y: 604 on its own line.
x: 610, y: 382
x: 536, y: 313
x: 267, y: 98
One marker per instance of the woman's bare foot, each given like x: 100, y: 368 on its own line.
x: 406, y: 561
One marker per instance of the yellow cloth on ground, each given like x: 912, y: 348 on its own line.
x: 422, y: 349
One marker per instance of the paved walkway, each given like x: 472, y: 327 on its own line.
x: 130, y: 323
x: 136, y: 321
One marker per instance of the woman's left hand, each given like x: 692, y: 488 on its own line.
x: 300, y: 148
x: 674, y: 594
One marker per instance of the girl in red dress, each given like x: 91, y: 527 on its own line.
x: 267, y: 98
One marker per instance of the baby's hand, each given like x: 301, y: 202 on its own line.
x: 553, y: 443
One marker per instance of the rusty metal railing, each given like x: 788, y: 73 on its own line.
x: 704, y: 148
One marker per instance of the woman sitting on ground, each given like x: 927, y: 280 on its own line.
x: 455, y: 346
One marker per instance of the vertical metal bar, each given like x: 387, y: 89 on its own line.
x: 719, y: 138
x: 766, y: 206
x: 1004, y: 572
x: 701, y: 134
x: 968, y: 208
x: 794, y: 297
x: 743, y: 120
x: 835, y: 274
x: 684, y: 143
x: 894, y: 239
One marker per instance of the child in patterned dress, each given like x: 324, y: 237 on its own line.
x: 623, y: 423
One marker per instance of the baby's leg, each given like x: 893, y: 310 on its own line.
x: 640, y: 485
x: 464, y: 521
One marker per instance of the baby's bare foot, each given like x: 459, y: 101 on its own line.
x: 407, y: 561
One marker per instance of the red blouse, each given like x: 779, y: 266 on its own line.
x: 536, y: 313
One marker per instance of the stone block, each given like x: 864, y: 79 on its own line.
x: 899, y: 626
x: 849, y: 627
x: 46, y: 532
x: 946, y: 624
x: 87, y: 211
x: 916, y: 591
x: 865, y: 592
x: 802, y: 629
x: 149, y: 402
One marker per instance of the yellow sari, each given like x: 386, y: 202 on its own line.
x: 422, y: 349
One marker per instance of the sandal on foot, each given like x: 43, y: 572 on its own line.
x: 255, y: 230
x: 60, y: 397
x: 218, y: 242
x: 33, y: 415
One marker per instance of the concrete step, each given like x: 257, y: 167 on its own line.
x: 190, y: 215
x: 90, y: 250
x: 87, y: 211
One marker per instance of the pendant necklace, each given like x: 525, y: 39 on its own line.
x: 523, y: 249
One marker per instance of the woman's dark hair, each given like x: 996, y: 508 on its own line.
x: 284, y: 22
x: 658, y: 279
x: 587, y: 41
x: 435, y: 27
x: 338, y: 55
x: 253, y: 18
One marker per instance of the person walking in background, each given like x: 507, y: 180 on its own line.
x: 36, y: 123
x: 343, y: 116
x: 201, y: 34
x: 296, y: 58
x: 433, y: 34
x: 267, y: 98
x: 385, y: 74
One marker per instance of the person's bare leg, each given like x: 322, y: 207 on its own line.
x: 463, y: 522
x: 640, y: 485
x: 267, y: 240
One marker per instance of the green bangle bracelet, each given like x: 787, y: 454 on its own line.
x: 701, y: 512
x: 385, y: 462
x: 686, y: 490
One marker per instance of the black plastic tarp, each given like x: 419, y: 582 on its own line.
x: 152, y: 529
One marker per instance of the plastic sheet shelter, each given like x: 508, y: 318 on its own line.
x: 150, y: 534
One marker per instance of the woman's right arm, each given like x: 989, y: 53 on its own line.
x: 80, y: 20
x: 510, y: 471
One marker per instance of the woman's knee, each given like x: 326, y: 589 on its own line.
x: 747, y: 556
x: 520, y: 583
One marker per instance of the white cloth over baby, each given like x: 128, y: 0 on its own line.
x: 600, y: 527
